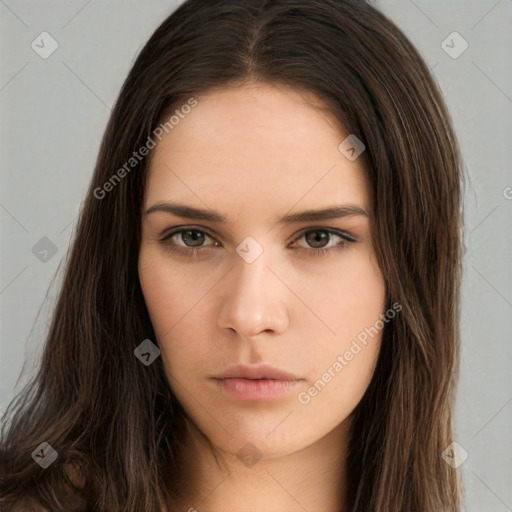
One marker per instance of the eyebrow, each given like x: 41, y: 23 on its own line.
x: 330, y: 212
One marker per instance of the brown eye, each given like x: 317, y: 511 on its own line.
x: 318, y: 239
x: 324, y: 239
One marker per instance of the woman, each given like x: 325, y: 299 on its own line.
x: 201, y: 356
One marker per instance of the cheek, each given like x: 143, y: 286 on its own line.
x: 168, y: 292
x: 363, y: 297
x: 342, y: 362
x: 174, y: 300
x: 343, y: 295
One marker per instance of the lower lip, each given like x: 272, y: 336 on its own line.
x: 257, y: 390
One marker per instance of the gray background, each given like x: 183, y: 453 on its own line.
x: 53, y: 115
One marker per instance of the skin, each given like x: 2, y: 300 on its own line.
x: 255, y: 153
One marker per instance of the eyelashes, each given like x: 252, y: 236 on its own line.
x: 310, y: 236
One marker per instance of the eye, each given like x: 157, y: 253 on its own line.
x: 320, y: 241
x: 187, y: 241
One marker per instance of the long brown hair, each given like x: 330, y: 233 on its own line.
x: 103, y: 411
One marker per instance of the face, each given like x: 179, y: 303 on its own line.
x: 261, y: 315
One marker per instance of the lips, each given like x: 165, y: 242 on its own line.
x: 263, y: 371
x: 256, y: 383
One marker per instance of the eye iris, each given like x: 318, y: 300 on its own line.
x: 317, y: 238
x: 195, y: 236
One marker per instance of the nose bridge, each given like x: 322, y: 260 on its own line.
x: 251, y: 275
x: 253, y: 252
x: 253, y: 300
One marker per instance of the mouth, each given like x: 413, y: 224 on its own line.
x: 256, y: 383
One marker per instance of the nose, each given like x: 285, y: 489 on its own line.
x: 253, y: 300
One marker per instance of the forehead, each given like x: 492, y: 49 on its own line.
x: 259, y: 146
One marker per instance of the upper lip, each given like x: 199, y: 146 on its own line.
x: 262, y: 371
